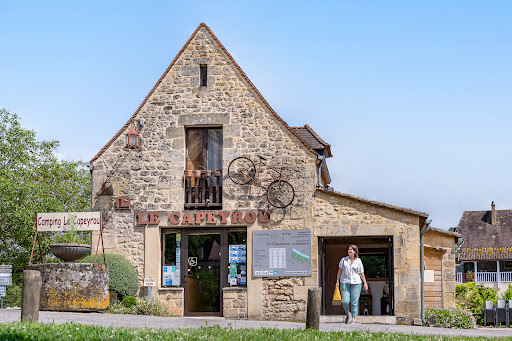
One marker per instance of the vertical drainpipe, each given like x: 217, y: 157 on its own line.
x: 422, y: 259
x: 322, y: 160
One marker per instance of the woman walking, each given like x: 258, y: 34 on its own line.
x: 350, y: 275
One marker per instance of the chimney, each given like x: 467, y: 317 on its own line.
x: 493, y: 214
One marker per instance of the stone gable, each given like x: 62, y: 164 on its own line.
x: 153, y: 176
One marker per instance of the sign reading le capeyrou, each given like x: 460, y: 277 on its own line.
x: 200, y: 217
x: 61, y: 221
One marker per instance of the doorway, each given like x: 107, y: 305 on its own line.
x: 203, y: 273
x: 376, y: 254
x: 202, y: 262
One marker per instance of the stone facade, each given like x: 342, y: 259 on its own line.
x: 173, y: 300
x: 234, y: 302
x: 444, y: 242
x: 153, y: 178
x: 336, y: 215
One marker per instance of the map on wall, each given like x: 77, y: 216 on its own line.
x: 281, y: 253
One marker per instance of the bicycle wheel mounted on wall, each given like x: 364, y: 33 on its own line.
x: 241, y: 170
x: 280, y: 193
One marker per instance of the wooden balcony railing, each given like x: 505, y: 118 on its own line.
x: 203, y: 189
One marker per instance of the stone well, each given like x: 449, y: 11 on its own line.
x: 73, y: 286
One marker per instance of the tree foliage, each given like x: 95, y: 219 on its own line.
x: 32, y: 180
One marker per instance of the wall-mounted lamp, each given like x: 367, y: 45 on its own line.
x: 132, y: 139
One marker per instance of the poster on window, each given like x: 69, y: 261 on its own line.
x: 281, y: 253
x: 238, y: 253
x: 171, y: 274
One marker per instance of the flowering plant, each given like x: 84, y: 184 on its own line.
x: 71, y: 235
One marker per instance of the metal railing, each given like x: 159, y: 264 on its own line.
x: 203, y: 189
x: 458, y: 279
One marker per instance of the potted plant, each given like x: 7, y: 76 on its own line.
x: 69, y: 245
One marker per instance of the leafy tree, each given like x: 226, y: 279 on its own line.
x: 32, y: 180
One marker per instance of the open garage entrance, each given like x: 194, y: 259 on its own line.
x: 377, y: 256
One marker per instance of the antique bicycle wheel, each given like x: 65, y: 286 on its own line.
x: 280, y: 193
x: 242, y: 170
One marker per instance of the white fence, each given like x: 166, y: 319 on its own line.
x: 506, y: 276
x: 484, y: 277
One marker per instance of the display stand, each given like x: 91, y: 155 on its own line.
x: 41, y: 251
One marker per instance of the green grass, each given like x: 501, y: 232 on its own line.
x: 73, y: 331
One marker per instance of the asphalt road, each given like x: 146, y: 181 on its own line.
x: 139, y: 321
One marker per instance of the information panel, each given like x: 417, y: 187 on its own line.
x: 281, y: 253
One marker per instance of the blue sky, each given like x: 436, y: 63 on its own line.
x: 414, y: 97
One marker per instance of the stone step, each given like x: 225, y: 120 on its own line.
x: 386, y: 319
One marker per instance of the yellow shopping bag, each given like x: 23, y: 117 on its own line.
x: 336, y: 298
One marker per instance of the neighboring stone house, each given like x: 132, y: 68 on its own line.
x: 177, y: 206
x: 485, y: 255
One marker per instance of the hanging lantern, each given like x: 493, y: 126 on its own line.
x: 132, y: 139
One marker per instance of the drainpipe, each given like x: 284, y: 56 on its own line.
x: 322, y: 160
x: 422, y: 258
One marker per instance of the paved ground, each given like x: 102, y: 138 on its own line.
x: 138, y: 321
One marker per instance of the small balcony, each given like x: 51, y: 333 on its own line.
x: 203, y: 189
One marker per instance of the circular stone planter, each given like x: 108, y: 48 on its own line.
x: 70, y: 252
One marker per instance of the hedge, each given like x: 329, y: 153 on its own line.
x: 122, y: 277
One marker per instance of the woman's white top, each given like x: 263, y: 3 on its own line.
x: 351, y: 273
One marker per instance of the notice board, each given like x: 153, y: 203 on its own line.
x: 281, y: 253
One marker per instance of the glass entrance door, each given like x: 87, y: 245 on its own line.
x: 203, y: 275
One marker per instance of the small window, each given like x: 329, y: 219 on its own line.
x: 171, y: 270
x: 204, y: 75
x: 237, y: 258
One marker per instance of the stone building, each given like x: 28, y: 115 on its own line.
x: 486, y: 253
x: 226, y: 236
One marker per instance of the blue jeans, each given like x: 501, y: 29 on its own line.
x: 351, y: 293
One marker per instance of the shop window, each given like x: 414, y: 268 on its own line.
x: 203, y: 176
x: 171, y: 256
x: 237, y: 268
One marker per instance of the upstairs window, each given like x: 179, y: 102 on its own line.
x: 204, y: 148
x: 203, y: 176
x: 203, y: 81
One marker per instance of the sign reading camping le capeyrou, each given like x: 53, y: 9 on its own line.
x: 62, y: 221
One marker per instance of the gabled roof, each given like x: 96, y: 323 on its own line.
x: 373, y: 202
x: 478, y: 232
x: 308, y: 135
x: 260, y: 96
x: 447, y: 232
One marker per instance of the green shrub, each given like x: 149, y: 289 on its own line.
x: 472, y: 297
x: 507, y: 294
x: 453, y: 318
x: 122, y: 278
x: 142, y: 306
x: 129, y: 301
x: 13, y: 296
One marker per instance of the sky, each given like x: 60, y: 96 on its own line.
x: 414, y: 97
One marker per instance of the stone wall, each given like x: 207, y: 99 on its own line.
x: 280, y: 302
x: 73, y: 286
x: 447, y: 244
x: 153, y: 176
x: 337, y: 215
x: 173, y: 299
x: 234, y: 302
